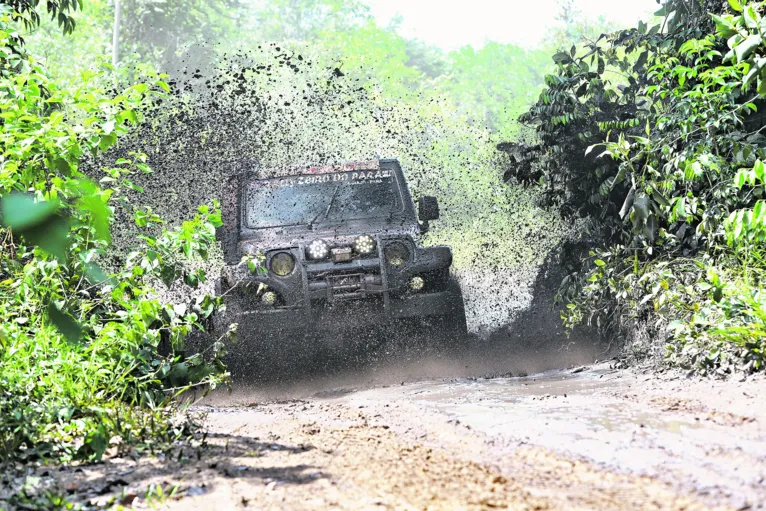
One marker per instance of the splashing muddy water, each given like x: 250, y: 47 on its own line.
x: 273, y: 108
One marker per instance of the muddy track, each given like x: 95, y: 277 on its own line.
x: 585, y: 439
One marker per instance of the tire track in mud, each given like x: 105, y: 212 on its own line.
x: 425, y: 445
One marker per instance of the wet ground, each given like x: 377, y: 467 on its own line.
x: 582, y: 438
x: 594, y: 415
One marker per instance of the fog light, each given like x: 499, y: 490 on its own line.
x: 417, y: 283
x: 269, y: 298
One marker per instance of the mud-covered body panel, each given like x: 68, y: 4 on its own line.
x: 397, y: 279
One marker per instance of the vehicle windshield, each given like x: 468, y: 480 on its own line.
x: 321, y: 198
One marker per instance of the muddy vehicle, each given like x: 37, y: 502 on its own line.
x: 330, y: 251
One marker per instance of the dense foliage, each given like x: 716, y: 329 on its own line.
x: 93, y: 342
x: 88, y: 359
x: 654, y: 135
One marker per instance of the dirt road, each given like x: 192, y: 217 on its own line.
x: 577, y: 439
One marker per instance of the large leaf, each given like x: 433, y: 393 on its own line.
x: 21, y: 212
x: 650, y: 228
x: 751, y: 17
x: 64, y: 323
x: 51, y: 236
x: 744, y: 49
x: 641, y: 207
x: 628, y: 203
x: 641, y: 62
x: 562, y: 58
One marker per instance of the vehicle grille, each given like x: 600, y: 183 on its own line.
x: 336, y: 285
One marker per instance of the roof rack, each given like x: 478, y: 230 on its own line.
x: 297, y: 170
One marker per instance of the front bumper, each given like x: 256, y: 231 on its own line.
x: 349, y: 315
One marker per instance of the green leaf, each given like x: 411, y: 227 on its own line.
x: 64, y: 323
x: 562, y: 58
x: 650, y: 228
x: 127, y: 115
x: 736, y: 5
x: 20, y: 211
x: 744, y: 49
x: 100, y: 214
x: 724, y: 27
x: 62, y: 166
x: 741, y: 178
x: 659, y: 197
x: 51, y: 236
x: 108, y: 126
x: 751, y: 17
x: 641, y: 62
x: 95, y: 275
x: 606, y: 186
x: 628, y: 203
x: 107, y: 141
x: 600, y: 263
x: 760, y: 170
x: 95, y: 443
x: 641, y: 207
x: 140, y: 218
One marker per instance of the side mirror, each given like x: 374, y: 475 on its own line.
x: 428, y: 208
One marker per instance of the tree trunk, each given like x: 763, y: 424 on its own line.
x: 116, y: 35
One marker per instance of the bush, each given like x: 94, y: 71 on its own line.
x: 88, y: 359
x: 656, y: 137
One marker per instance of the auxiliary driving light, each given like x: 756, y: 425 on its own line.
x: 417, y: 283
x: 364, y: 245
x: 282, y: 264
x: 269, y: 298
x: 318, y: 249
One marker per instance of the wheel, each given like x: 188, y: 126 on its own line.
x: 242, y: 359
x: 455, y: 325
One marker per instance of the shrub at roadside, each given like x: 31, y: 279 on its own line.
x: 87, y: 359
x: 655, y: 135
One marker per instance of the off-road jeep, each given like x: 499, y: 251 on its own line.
x: 332, y: 248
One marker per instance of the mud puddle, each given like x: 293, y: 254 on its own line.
x: 589, y: 438
x: 596, y: 415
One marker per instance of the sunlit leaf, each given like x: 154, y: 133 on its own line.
x: 21, y: 212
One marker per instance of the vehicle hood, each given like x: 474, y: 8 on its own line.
x: 292, y: 236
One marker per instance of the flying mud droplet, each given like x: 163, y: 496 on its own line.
x: 274, y: 108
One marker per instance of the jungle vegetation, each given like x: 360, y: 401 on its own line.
x: 93, y: 342
x: 649, y: 138
x: 654, y: 137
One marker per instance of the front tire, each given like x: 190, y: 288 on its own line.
x: 455, y: 324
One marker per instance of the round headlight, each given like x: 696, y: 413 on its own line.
x: 397, y: 254
x: 282, y: 264
x: 318, y: 249
x: 364, y: 245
